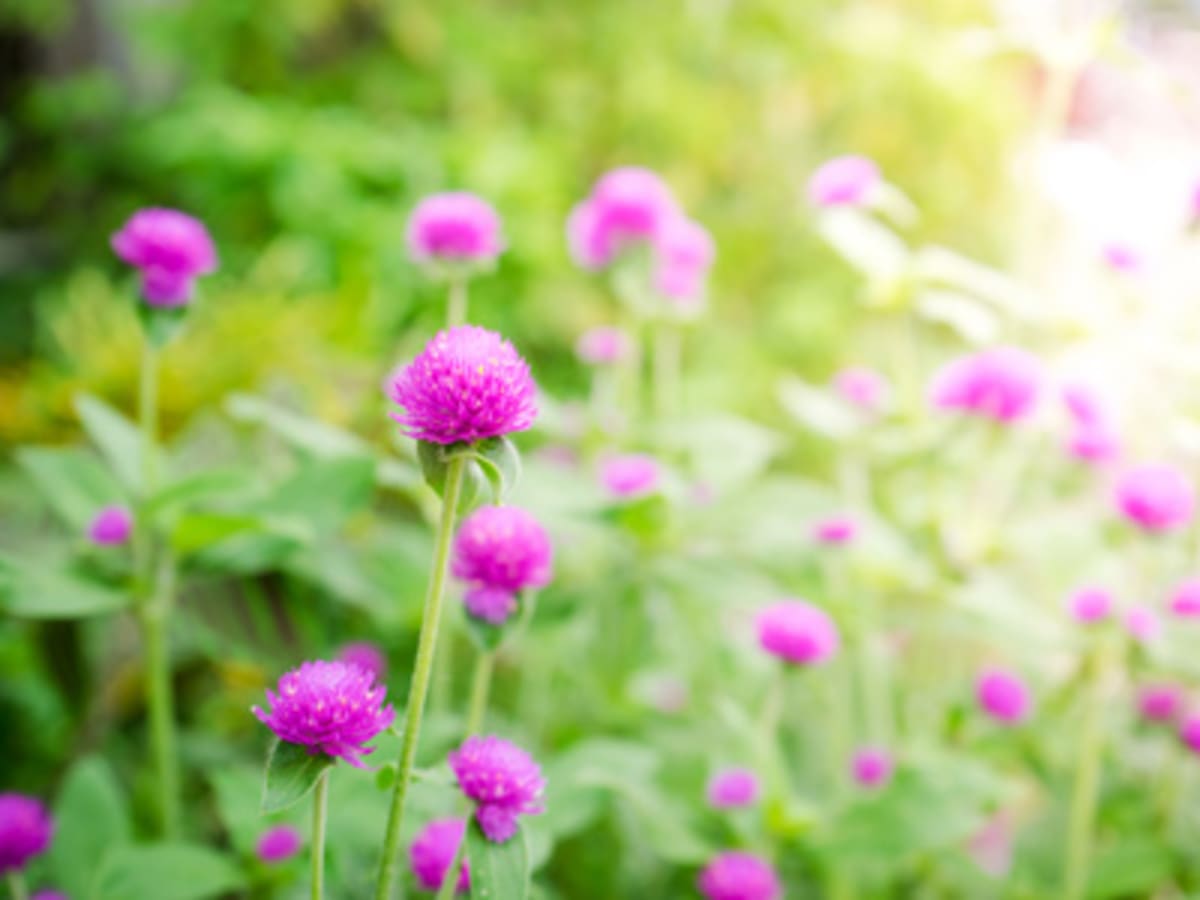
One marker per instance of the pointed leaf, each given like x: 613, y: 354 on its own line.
x: 115, y: 436
x: 36, y: 591
x: 165, y: 872
x: 501, y: 465
x: 498, y: 871
x: 91, y: 818
x: 291, y: 773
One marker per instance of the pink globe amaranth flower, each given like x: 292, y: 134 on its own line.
x: 1121, y: 257
x: 490, y: 604
x: 1143, y: 624
x: 1090, y: 604
x: 278, y: 844
x: 797, y: 632
x: 48, y: 895
x: 1185, y: 601
x: 603, y: 346
x: 629, y: 475
x: 844, y: 181
x: 835, y: 530
x: 1003, y: 696
x: 862, y: 387
x: 111, y: 525
x: 1160, y: 702
x: 170, y: 248
x: 736, y: 875
x: 1094, y: 444
x: 627, y: 206
x: 685, y: 253
x: 1001, y: 383
x: 454, y: 227
x: 467, y: 385
x: 502, y: 780
x: 1084, y: 405
x: 329, y: 707
x: 872, y: 767
x: 26, y: 830
x: 732, y: 789
x: 367, y: 656
x: 433, y: 852
x: 1189, y: 732
x: 1156, y: 497
x: 500, y: 551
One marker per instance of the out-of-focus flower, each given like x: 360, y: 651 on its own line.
x: 733, y: 788
x: 1121, y: 257
x: 797, y: 632
x: 1160, y: 702
x: 26, y: 830
x: 502, y: 780
x: 467, y: 385
x: 454, y: 227
x: 629, y: 475
x: 278, y: 844
x: 433, y: 851
x: 1001, y: 383
x: 603, y: 346
x: 1094, y: 437
x: 627, y: 206
x: 500, y: 551
x: 171, y: 250
x: 1185, y: 602
x: 366, y: 656
x: 1189, y: 732
x: 1143, y: 624
x: 1003, y: 696
x: 1090, y: 604
x: 111, y: 525
x: 329, y: 707
x: 685, y: 253
x: 1156, y: 497
x: 872, y: 767
x: 844, y: 181
x: 736, y: 875
x: 992, y: 845
x: 48, y: 895
x: 835, y: 530
x: 862, y: 387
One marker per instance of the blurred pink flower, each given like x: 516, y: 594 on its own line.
x: 1003, y: 696
x: 502, y: 780
x: 1185, y: 601
x: 872, y: 767
x: 627, y: 206
x: 367, y: 656
x: 844, y: 181
x: 1090, y: 604
x: 685, y: 252
x: 278, y: 844
x: 433, y: 851
x: 1189, y: 732
x: 629, y: 475
x: 992, y: 845
x: 1156, y: 497
x: 1001, y: 383
x: 797, y: 632
x: 733, y: 788
x: 1122, y: 257
x: 111, y: 525
x: 603, y: 346
x: 171, y: 250
x: 454, y: 227
x: 736, y: 875
x: 1143, y: 624
x: 862, y: 387
x: 1160, y: 702
x: 835, y: 530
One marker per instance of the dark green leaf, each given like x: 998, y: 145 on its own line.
x: 165, y: 872
x: 501, y: 465
x: 498, y: 871
x: 116, y: 437
x: 35, y: 591
x: 291, y: 773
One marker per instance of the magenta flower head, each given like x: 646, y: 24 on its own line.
x: 278, y: 844
x: 1001, y: 384
x: 329, y: 707
x: 367, y: 656
x: 48, y: 895
x: 502, y: 780
x: 1122, y: 257
x: 797, y: 632
x: 111, y: 525
x: 629, y: 475
x: 872, y: 767
x: 844, y: 181
x: 455, y: 228
x: 735, y: 875
x: 1185, y: 601
x: 627, y: 206
x: 1094, y: 438
x: 862, y: 387
x: 603, y: 346
x: 1189, y: 732
x: 835, y: 530
x: 170, y: 249
x: 1003, y: 696
x: 433, y: 851
x: 1090, y: 604
x: 1143, y: 624
x: 26, y: 830
x: 685, y: 254
x: 1156, y: 497
x: 1160, y: 702
x: 467, y: 385
x: 732, y: 789
x: 500, y: 551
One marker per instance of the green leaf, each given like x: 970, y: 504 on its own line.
x: 498, y: 871
x: 165, y: 872
x: 291, y: 773
x: 35, y: 591
x: 161, y: 323
x: 325, y: 492
x: 199, y: 488
x: 501, y: 465
x: 73, y: 482
x: 116, y: 437
x: 1133, y: 867
x: 433, y: 464
x: 91, y: 818
x: 309, y: 435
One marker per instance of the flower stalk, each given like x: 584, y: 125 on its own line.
x: 320, y: 816
x: 485, y: 663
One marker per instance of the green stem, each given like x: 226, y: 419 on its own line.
x: 420, y: 677
x: 16, y: 884
x: 480, y: 686
x: 668, y: 351
x: 450, y: 880
x: 456, y: 302
x: 320, y: 815
x: 1087, y: 782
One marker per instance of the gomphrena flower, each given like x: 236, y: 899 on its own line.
x: 797, y: 632
x: 736, y: 875
x: 1001, y: 383
x: 844, y: 181
x: 26, y: 830
x: 1189, y: 732
x: 835, y: 530
x: 366, y: 656
x: 1155, y: 497
x: 627, y: 206
x: 1003, y: 696
x: 1094, y: 437
x: 603, y: 346
x: 684, y: 254
x: 467, y: 385
x: 1160, y: 702
x: 861, y: 387
x: 278, y: 844
x: 329, y: 707
x: 629, y: 475
x: 48, y: 895
x: 111, y: 525
x: 170, y: 248
x: 1122, y: 257
x: 1090, y: 604
x: 433, y: 851
x: 1185, y: 601
x: 500, y: 551
x: 872, y: 767
x: 1143, y: 624
x: 732, y: 789
x: 454, y: 227
x: 502, y: 780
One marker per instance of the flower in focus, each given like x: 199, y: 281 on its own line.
x: 454, y: 227
x: 735, y: 875
x: 433, y: 851
x: 627, y: 206
x: 502, y: 780
x: 500, y: 551
x: 329, y: 707
x: 629, y: 475
x: 467, y: 385
x: 1185, y: 602
x: 603, y: 346
x: 366, y: 656
x: 278, y: 844
x: 1143, y: 624
x: 26, y: 830
x: 797, y: 632
x: 872, y: 767
x: 1160, y: 702
x: 861, y: 387
x: 685, y: 252
x: 844, y: 181
x: 1156, y: 497
x: 111, y: 525
x: 1003, y: 696
x: 732, y: 788
x: 171, y: 250
x: 835, y: 530
x: 1090, y: 604
x: 1001, y: 383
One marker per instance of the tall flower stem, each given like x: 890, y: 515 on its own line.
x: 481, y: 684
x: 320, y: 815
x: 668, y: 354
x: 456, y: 302
x: 16, y: 886
x: 420, y: 678
x: 1084, y: 795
